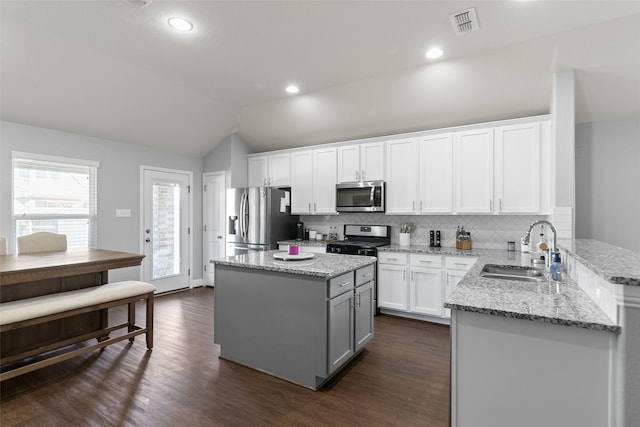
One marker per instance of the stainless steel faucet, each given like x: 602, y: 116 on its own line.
x: 527, y: 236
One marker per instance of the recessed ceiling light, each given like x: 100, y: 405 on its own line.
x: 434, y: 53
x: 292, y: 89
x: 180, y: 24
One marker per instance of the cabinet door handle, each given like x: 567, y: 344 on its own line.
x: 500, y: 204
x: 342, y: 285
x: 367, y: 274
x: 363, y: 175
x: 309, y: 206
x: 404, y: 274
x: 459, y: 263
x: 392, y: 259
x: 428, y: 262
x: 413, y: 206
x: 315, y: 208
x: 420, y: 205
x: 357, y: 175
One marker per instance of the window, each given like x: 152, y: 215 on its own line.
x: 55, y: 194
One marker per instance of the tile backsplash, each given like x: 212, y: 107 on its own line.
x: 487, y: 231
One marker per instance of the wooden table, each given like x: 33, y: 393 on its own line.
x: 30, y: 275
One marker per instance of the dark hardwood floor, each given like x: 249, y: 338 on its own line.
x: 400, y: 379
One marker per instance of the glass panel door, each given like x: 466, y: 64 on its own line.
x: 166, y: 229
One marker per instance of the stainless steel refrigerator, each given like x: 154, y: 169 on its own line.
x: 257, y: 218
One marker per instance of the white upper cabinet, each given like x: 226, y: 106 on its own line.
x: 435, y: 182
x: 324, y: 181
x: 473, y: 171
x: 257, y: 171
x: 372, y: 161
x: 270, y: 170
x: 313, y: 181
x: 517, y: 168
x: 349, y: 163
x: 301, y: 182
x: 402, y: 169
x: 361, y: 162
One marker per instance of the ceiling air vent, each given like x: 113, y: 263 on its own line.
x: 138, y: 3
x: 464, y: 21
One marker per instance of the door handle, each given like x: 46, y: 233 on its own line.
x: 148, y: 240
x: 219, y: 237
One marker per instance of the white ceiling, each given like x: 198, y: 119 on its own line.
x: 114, y: 70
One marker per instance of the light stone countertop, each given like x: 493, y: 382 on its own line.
x: 321, y: 265
x: 424, y: 249
x: 557, y: 303
x: 317, y: 243
x: 612, y: 263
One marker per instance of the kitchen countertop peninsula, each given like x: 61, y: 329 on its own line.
x: 612, y: 263
x: 509, y: 358
x: 562, y: 303
x: 321, y: 265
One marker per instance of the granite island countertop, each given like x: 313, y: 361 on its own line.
x: 321, y: 265
x: 562, y: 303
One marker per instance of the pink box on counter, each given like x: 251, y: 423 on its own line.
x: 293, y: 250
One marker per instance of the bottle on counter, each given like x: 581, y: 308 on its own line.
x: 556, y: 268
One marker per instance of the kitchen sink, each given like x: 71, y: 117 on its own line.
x: 512, y: 272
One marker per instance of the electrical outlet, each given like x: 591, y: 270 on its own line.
x: 123, y: 213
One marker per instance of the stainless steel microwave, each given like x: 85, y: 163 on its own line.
x: 366, y: 196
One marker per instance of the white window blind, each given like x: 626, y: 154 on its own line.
x: 55, y: 194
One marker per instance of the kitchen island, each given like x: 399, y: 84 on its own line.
x: 546, y: 353
x: 300, y: 320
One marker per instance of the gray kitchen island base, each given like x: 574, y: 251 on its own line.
x: 301, y: 328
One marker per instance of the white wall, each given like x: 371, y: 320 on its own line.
x: 118, y: 184
x: 608, y: 182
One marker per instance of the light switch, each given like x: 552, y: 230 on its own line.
x: 123, y: 213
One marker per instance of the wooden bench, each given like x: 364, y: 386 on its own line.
x: 32, y: 311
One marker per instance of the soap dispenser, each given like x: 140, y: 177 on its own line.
x: 556, y: 268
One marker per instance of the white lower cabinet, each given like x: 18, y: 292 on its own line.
x: 417, y: 284
x: 455, y: 269
x: 425, y: 291
x: 392, y: 280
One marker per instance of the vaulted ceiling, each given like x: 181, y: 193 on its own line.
x: 115, y: 70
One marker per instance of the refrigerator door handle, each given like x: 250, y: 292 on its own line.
x: 242, y: 215
x: 245, y: 215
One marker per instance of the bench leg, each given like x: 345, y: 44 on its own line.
x: 149, y: 325
x: 131, y: 319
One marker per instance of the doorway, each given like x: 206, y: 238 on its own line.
x: 213, y: 218
x: 166, y: 220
